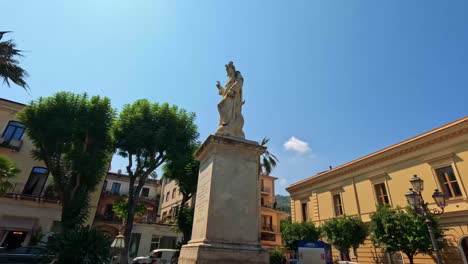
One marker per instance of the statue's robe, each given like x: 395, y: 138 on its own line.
x: 231, y: 120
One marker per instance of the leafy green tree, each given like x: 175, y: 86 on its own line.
x: 9, y: 64
x: 184, y: 170
x: 8, y: 170
x: 398, y: 230
x: 120, y: 208
x: 83, y: 245
x: 345, y: 233
x: 147, y: 135
x: 294, y: 232
x: 72, y: 135
x: 277, y: 256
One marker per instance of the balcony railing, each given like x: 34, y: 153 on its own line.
x: 13, y: 144
x: 265, y: 189
x: 268, y: 204
x: 16, y: 194
x: 269, y: 228
x: 268, y: 237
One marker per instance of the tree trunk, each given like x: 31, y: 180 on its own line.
x: 186, y: 233
x: 345, y: 255
x: 410, y: 258
x: 128, y: 227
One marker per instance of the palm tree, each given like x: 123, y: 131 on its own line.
x: 268, y: 161
x: 7, y: 171
x: 9, y: 64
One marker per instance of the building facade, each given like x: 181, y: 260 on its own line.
x: 171, y: 197
x: 147, y: 234
x: 270, y: 235
x: 29, y: 210
x: 439, y: 157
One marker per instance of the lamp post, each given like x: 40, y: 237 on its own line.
x: 416, y: 201
x: 119, y: 244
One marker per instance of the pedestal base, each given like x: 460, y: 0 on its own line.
x: 222, y: 253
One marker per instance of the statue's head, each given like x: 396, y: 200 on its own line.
x: 230, y: 69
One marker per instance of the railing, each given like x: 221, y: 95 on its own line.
x: 269, y: 228
x: 34, y: 198
x: 265, y: 189
x: 268, y: 204
x: 268, y: 237
x: 108, y: 218
x: 13, y: 144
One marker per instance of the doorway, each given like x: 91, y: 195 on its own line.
x: 464, y: 248
x: 14, y: 239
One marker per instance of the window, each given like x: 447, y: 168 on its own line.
x: 262, y: 184
x: 338, y: 204
x: 145, y: 192
x: 13, y: 131
x: 167, y: 196
x: 448, y: 182
x: 173, y: 193
x: 154, y: 242
x: 104, y: 186
x: 36, y: 181
x: 115, y: 188
x: 267, y: 222
x: 304, y: 212
x: 381, y: 193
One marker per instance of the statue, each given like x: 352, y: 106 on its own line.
x: 231, y: 120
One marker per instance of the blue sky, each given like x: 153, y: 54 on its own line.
x: 344, y: 78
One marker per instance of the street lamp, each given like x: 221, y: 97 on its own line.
x: 416, y: 201
x: 119, y: 244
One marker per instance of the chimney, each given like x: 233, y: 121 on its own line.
x: 330, y: 167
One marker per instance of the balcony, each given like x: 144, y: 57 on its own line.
x: 268, y: 204
x: 108, y: 218
x: 34, y: 198
x: 265, y: 190
x: 13, y: 144
x: 16, y: 194
x: 269, y: 228
x: 268, y: 237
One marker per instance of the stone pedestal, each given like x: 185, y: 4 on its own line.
x: 227, y: 207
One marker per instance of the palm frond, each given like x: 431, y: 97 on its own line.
x: 9, y: 65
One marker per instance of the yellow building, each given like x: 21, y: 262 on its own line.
x: 27, y: 210
x: 270, y: 217
x: 439, y: 157
x: 171, y: 197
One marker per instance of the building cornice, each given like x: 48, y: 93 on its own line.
x: 453, y: 130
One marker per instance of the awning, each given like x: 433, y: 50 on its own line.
x: 17, y: 223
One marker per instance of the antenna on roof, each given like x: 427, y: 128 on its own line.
x: 119, y: 171
x: 330, y: 167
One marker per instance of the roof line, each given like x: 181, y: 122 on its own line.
x: 14, y: 102
x: 391, y: 147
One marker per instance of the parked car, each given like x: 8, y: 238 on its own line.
x: 26, y: 255
x: 158, y: 256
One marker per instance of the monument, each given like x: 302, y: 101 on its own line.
x: 227, y: 205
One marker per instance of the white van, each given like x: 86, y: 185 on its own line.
x: 157, y: 256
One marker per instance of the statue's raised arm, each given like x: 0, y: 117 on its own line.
x: 231, y: 121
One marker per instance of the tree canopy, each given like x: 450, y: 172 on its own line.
x: 8, y: 170
x: 294, y: 232
x: 398, y: 230
x: 147, y: 135
x: 184, y: 170
x: 72, y: 135
x: 345, y: 233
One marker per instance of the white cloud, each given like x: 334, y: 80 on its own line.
x: 296, y: 145
x: 283, y: 182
